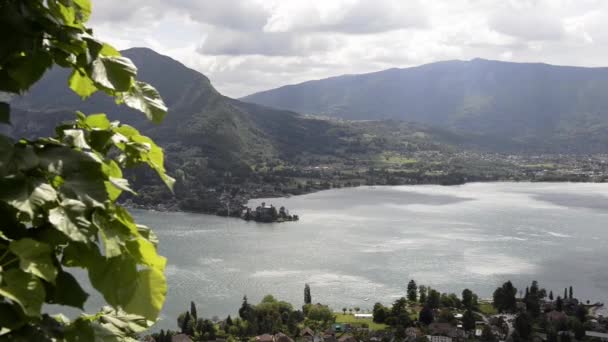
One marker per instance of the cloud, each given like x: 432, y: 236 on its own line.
x: 252, y: 45
x: 348, y: 16
x: 236, y: 43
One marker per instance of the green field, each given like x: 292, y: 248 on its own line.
x: 348, y: 318
x: 487, y: 309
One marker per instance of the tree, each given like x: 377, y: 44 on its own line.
x: 307, y: 297
x: 426, y: 315
x: 357, y: 309
x: 571, y: 293
x: 559, y: 304
x: 412, y: 291
x: 380, y: 313
x: 58, y: 196
x: 523, y: 325
x: 487, y: 335
x: 581, y: 313
x: 467, y: 299
x: 504, y: 298
x: 468, y: 320
x: 193, y: 311
x: 344, y: 311
x: 551, y: 295
x: 565, y: 293
x: 434, y: 299
x: 422, y: 292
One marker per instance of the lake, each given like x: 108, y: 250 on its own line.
x: 361, y: 245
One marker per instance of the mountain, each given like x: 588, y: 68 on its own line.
x: 213, y: 142
x: 535, y: 107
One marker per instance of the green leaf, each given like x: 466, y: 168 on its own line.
x: 113, y: 234
x: 67, y: 291
x: 81, y: 84
x: 82, y: 174
x: 27, y: 195
x: 115, y: 278
x: 147, y: 100
x: 84, y: 9
x: 145, y: 253
x: 69, y: 219
x: 75, y: 138
x: 29, y: 68
x: 97, y: 121
x: 149, y: 296
x: 24, y: 289
x: 9, y: 319
x: 5, y: 113
x: 35, y: 258
x: 113, y: 73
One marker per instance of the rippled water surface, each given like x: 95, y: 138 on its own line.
x: 357, y: 246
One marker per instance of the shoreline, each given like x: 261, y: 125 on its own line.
x: 162, y: 207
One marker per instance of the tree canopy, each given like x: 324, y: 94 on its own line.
x: 58, y: 194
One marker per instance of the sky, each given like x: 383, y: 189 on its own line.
x: 245, y: 46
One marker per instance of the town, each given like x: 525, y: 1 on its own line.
x: 423, y: 314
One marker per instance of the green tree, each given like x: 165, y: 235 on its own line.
x: 412, y: 291
x: 467, y: 299
x: 193, y: 312
x: 487, y: 335
x: 426, y: 315
x: 434, y: 299
x: 468, y: 320
x: 504, y: 298
x: 571, y: 293
x: 523, y: 325
x: 380, y: 313
x: 551, y: 295
x: 422, y: 294
x: 58, y: 195
x: 307, y: 296
x: 559, y: 304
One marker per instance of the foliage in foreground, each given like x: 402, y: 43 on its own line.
x: 58, y: 195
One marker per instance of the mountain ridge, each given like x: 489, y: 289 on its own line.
x: 543, y: 106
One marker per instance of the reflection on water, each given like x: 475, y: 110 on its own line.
x: 353, y: 244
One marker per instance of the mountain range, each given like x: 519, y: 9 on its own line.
x: 213, y: 141
x: 531, y: 107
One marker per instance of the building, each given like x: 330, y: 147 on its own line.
x: 264, y: 338
x: 436, y: 338
x: 601, y: 336
x: 364, y: 316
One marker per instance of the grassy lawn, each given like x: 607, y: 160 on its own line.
x: 348, y: 318
x: 487, y: 309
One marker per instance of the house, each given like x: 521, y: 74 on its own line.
x: 413, y: 332
x: 555, y: 316
x: 280, y: 337
x: 347, y: 339
x: 364, y: 316
x: 181, y: 338
x: 601, y: 336
x: 264, y: 338
x: 307, y: 332
x: 435, y: 338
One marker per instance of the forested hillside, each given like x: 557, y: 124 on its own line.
x: 538, y: 107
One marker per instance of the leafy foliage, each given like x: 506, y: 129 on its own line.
x: 58, y: 195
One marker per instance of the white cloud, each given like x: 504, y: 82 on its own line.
x: 252, y: 45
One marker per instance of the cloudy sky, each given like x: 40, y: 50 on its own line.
x: 246, y: 46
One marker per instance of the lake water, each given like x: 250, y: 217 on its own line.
x: 361, y: 245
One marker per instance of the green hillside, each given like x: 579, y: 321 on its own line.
x: 535, y: 107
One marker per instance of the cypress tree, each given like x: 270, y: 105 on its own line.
x: 307, y: 296
x: 193, y: 310
x: 571, y: 292
x: 550, y: 295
